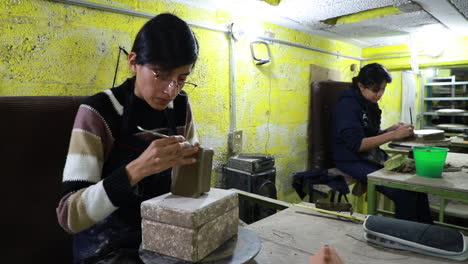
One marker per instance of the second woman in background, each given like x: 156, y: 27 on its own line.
x: 357, y: 138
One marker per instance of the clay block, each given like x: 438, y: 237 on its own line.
x: 193, y: 180
x: 189, y: 228
x: 428, y: 135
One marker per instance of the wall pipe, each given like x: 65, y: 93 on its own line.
x: 126, y: 11
x: 232, y: 84
x: 404, y: 55
x: 232, y: 75
x: 309, y: 48
x: 209, y: 27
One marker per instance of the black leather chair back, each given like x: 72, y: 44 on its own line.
x: 35, y: 134
x: 324, y: 96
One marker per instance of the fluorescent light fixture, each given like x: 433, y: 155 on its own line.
x: 431, y: 40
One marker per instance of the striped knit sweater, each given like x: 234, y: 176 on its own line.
x: 91, y: 193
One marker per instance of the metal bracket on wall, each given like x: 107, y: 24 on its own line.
x: 252, y: 51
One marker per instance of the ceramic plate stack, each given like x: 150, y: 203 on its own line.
x: 451, y: 111
x: 453, y: 127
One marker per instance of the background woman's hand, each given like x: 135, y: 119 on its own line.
x: 161, y: 155
x: 403, y: 131
x: 396, y: 126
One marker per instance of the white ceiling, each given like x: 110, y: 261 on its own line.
x: 433, y: 16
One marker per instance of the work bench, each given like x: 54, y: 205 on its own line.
x: 295, y: 233
x: 452, y: 185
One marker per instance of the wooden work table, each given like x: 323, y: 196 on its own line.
x: 458, y: 141
x: 291, y: 236
x: 456, y: 181
x: 451, y: 186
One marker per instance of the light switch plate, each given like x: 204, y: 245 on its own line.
x: 235, y: 141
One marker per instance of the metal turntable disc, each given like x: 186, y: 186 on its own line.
x: 237, y: 250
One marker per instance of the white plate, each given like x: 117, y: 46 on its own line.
x: 457, y: 127
x: 450, y: 111
x: 427, y: 131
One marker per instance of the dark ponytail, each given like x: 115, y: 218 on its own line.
x: 166, y: 41
x: 371, y: 76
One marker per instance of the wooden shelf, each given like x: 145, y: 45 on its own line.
x: 444, y: 92
x: 445, y: 98
x: 444, y: 114
x: 445, y: 83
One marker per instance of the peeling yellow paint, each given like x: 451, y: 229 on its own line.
x: 364, y: 15
x: 272, y: 2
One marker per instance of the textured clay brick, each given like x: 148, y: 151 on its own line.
x: 189, y: 212
x: 189, y: 228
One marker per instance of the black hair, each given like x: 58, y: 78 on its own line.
x: 371, y: 76
x: 166, y: 41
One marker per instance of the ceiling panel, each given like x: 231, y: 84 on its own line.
x: 309, y: 15
x: 462, y: 6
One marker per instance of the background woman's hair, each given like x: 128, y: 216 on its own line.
x: 371, y: 76
x: 166, y: 41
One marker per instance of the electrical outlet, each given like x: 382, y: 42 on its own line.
x: 235, y: 141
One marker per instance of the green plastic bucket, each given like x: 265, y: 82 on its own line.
x: 429, y: 161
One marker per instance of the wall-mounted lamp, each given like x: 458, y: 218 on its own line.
x: 255, y: 47
x: 247, y: 30
x: 236, y: 30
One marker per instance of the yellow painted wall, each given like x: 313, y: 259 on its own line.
x: 397, y: 59
x: 273, y: 99
x: 50, y: 48
x: 454, y: 53
x: 391, y: 101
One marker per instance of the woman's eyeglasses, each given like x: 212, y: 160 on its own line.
x: 166, y: 81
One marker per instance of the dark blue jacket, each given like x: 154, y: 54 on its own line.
x: 354, y: 118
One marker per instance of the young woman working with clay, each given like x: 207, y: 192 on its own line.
x: 357, y: 138
x: 111, y: 165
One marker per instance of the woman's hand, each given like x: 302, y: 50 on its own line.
x: 326, y: 255
x: 403, y: 131
x: 396, y: 126
x: 161, y: 155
